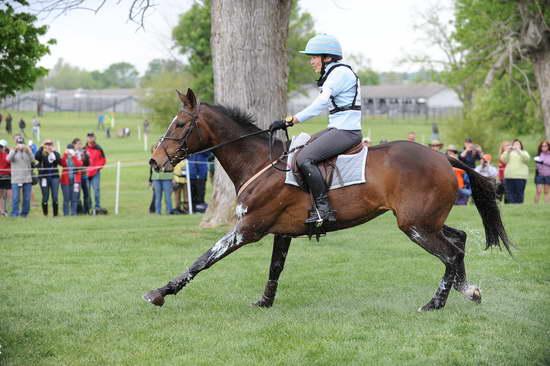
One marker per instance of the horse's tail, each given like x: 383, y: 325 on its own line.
x: 484, y: 196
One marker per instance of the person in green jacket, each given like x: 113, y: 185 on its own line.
x: 516, y: 171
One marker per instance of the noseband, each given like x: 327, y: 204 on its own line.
x: 183, y: 149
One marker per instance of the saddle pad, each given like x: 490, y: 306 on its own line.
x: 352, y: 168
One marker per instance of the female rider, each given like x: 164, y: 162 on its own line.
x: 340, y: 94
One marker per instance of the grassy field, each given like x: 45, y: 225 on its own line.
x: 72, y: 286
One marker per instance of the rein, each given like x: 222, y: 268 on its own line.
x: 182, y: 152
x: 184, y: 146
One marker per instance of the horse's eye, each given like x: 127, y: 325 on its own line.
x: 180, y: 125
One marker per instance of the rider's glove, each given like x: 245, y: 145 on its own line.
x: 277, y: 125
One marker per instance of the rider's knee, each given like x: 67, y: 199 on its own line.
x: 307, y: 162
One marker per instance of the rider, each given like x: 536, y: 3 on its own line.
x: 340, y: 94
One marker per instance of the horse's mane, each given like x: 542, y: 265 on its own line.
x: 243, y: 119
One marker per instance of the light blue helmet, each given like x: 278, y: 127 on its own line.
x: 323, y: 44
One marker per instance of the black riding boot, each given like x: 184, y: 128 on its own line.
x: 45, y: 208
x: 321, y: 211
x: 55, y: 207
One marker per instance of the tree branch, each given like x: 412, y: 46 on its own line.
x: 55, y: 8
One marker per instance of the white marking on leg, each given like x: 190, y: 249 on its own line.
x: 241, y: 210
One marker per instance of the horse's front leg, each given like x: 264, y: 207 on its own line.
x: 280, y: 250
x: 230, y: 242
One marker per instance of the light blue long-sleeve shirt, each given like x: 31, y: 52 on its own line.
x: 341, y: 85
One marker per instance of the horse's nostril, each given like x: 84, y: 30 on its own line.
x: 153, y: 163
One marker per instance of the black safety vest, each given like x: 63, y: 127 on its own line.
x: 336, y: 109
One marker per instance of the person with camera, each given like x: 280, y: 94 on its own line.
x: 516, y: 171
x: 21, y: 160
x: 70, y: 180
x: 470, y: 154
x: 48, y: 175
x: 5, y: 177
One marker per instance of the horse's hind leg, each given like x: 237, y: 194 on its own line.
x: 437, y: 244
x: 458, y: 239
x: 280, y: 250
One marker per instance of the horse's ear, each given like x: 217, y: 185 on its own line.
x: 192, y: 99
x: 182, y: 97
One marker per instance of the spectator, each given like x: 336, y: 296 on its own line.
x: 70, y: 180
x: 464, y: 189
x: 198, y: 171
x: 84, y: 207
x: 451, y: 151
x: 101, y: 122
x: 9, y: 120
x: 486, y: 169
x: 516, y: 171
x: 97, y: 161
x: 48, y: 160
x: 436, y: 145
x: 21, y: 160
x: 22, y: 126
x: 5, y: 177
x: 542, y: 174
x: 162, y: 183
x: 470, y: 154
x: 36, y: 128
x: 1, y: 118
x: 411, y: 136
x: 180, y: 188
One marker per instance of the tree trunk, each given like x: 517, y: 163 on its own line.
x: 541, y: 62
x: 249, y: 58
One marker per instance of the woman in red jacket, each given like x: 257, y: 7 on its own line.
x: 70, y: 180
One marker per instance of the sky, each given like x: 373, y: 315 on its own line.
x: 381, y: 31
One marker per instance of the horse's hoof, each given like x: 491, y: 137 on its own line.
x: 476, y: 296
x: 261, y: 304
x: 473, y: 293
x: 154, y: 297
x: 429, y: 307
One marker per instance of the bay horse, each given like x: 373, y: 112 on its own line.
x: 415, y: 183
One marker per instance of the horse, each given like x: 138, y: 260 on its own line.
x: 415, y: 183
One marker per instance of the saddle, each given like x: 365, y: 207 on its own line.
x: 327, y: 167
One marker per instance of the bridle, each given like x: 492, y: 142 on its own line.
x: 182, y: 152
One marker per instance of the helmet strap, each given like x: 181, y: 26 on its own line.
x: 323, y: 69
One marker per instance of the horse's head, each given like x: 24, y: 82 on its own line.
x: 182, y: 137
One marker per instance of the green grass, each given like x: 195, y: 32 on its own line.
x: 71, y: 287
